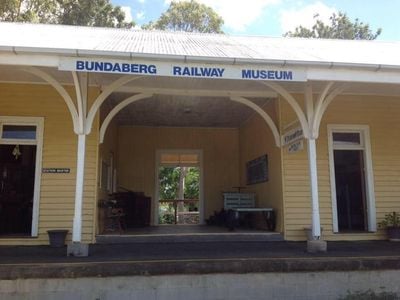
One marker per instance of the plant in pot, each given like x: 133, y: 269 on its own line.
x: 392, y: 224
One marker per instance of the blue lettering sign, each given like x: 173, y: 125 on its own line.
x: 80, y: 65
x: 101, y: 66
x: 267, y: 74
x: 198, y: 71
x: 177, y: 71
x: 152, y: 69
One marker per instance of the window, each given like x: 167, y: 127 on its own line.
x: 20, y: 132
x: 346, y: 138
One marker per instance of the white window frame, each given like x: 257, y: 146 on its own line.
x: 38, y: 122
x: 158, y: 164
x: 364, y: 145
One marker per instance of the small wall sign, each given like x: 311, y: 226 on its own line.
x: 296, y: 147
x: 56, y: 170
x: 292, y: 135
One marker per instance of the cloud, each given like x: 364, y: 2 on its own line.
x: 128, y: 13
x: 305, y: 16
x: 238, y: 14
x: 142, y: 1
x: 140, y: 15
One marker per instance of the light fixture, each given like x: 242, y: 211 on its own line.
x: 16, y: 152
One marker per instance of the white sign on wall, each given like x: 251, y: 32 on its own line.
x: 296, y: 146
x: 159, y: 68
x: 292, y: 135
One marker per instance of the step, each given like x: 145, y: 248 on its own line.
x: 189, y: 238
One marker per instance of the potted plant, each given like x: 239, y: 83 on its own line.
x: 392, y: 224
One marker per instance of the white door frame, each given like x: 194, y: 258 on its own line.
x: 199, y: 152
x: 39, y: 123
x: 365, y: 145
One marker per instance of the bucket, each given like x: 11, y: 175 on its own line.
x: 57, y: 237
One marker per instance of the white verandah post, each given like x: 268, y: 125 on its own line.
x: 312, y: 161
x: 77, y: 248
x: 80, y: 176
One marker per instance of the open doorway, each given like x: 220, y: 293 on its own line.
x: 350, y: 190
x: 19, y: 176
x: 17, y: 165
x: 179, y: 189
x: 351, y: 179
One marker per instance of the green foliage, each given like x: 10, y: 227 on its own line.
x: 340, y: 27
x: 370, y: 295
x: 169, y: 182
x: 189, y: 16
x: 192, y: 180
x: 28, y: 11
x: 390, y: 220
x: 166, y: 214
x: 169, y: 178
x: 70, y: 12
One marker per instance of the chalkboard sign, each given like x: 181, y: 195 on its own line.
x: 257, y: 170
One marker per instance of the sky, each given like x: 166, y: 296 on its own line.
x: 275, y: 17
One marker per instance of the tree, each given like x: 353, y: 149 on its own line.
x: 340, y: 27
x: 28, y: 11
x: 189, y: 16
x: 99, y: 13
x: 69, y: 12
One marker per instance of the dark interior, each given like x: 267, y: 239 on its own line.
x: 350, y: 190
x: 17, y: 178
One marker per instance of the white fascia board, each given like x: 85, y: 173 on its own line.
x: 6, y: 48
x: 51, y: 51
x: 37, y: 60
x: 354, y: 75
x: 108, y: 54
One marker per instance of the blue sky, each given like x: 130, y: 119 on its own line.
x: 275, y: 17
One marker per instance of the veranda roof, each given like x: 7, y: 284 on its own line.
x: 126, y: 43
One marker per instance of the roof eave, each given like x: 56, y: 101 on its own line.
x: 192, y: 59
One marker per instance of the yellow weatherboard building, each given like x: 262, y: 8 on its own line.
x: 308, y: 128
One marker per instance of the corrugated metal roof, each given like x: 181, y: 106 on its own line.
x: 124, y: 42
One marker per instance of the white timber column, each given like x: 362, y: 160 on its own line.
x: 77, y: 248
x: 309, y: 121
x: 312, y: 163
x: 80, y: 178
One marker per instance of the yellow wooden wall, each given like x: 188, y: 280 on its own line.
x: 59, y: 151
x: 137, y: 152
x: 382, y: 116
x: 256, y: 139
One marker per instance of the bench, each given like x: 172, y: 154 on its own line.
x: 237, y: 203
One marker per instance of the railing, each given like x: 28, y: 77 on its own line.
x: 180, y: 217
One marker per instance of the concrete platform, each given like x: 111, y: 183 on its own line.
x: 187, y: 234
x: 196, y: 258
x: 189, y: 238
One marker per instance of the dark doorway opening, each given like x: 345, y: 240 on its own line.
x: 17, y: 180
x: 350, y: 190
